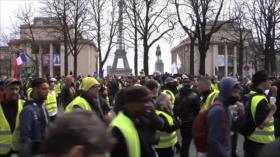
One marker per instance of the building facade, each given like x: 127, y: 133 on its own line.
x: 6, y: 60
x: 222, y: 55
x: 50, y: 47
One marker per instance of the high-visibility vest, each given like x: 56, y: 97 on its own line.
x: 80, y: 102
x: 58, y: 88
x: 167, y: 139
x: 128, y: 130
x: 209, y: 100
x: 169, y: 92
x: 29, y: 91
x: 9, y: 140
x: 51, y: 104
x: 265, y: 135
x: 214, y: 87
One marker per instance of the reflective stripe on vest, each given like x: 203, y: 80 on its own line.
x: 169, y: 92
x: 51, y: 104
x: 128, y: 130
x: 209, y: 100
x: 265, y: 135
x: 80, y: 102
x: 8, y: 140
x: 167, y: 139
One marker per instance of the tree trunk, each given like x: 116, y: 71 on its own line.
x: 65, y: 58
x: 240, y: 60
x: 202, y: 63
x: 146, y: 57
x: 75, y: 64
x: 192, y: 56
x: 267, y: 60
x: 136, y: 58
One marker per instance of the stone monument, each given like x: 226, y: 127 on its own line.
x: 159, y: 64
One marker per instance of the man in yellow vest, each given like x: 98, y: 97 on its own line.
x: 10, y: 109
x: 89, y: 99
x: 58, y: 91
x: 207, y: 96
x: 136, y: 102
x: 51, y: 103
x: 262, y: 112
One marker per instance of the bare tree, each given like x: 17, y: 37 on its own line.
x: 265, y: 16
x: 153, y: 23
x: 105, y: 22
x: 239, y: 33
x: 60, y: 9
x: 25, y: 16
x: 189, y: 26
x: 131, y: 12
x: 206, y: 14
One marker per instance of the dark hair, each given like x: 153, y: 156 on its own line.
x: 37, y: 82
x: 259, y: 77
x: 77, y: 128
x: 151, y: 84
x: 137, y: 94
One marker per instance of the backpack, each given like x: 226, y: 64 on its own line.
x: 245, y: 124
x: 199, y: 129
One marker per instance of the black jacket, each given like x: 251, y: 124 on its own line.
x: 186, y: 105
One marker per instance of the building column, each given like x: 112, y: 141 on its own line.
x: 62, y: 59
x: 226, y: 60
x: 214, y: 59
x: 235, y: 60
x: 40, y: 60
x: 51, y: 60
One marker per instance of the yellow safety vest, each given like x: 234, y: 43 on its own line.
x: 209, y: 100
x: 51, y: 104
x: 9, y: 140
x: 29, y: 91
x: 167, y: 139
x: 214, y: 87
x: 169, y: 92
x: 128, y: 130
x: 58, y: 88
x: 265, y: 135
x: 78, y: 101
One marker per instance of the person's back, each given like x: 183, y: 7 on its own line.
x: 218, y: 123
x: 186, y: 108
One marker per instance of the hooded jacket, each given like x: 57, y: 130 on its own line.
x: 218, y: 122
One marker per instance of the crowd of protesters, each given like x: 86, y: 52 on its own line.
x: 139, y: 116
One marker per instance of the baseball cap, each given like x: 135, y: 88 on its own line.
x: 88, y: 82
x: 11, y: 81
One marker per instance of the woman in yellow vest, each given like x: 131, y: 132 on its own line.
x: 10, y: 110
x: 168, y: 135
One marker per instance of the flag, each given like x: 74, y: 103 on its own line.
x: 22, y: 58
x: 15, y: 66
x: 178, y: 62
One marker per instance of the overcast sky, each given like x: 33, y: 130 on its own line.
x: 9, y: 9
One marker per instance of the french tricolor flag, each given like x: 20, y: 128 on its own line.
x: 22, y: 58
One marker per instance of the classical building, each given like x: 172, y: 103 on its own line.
x: 6, y: 58
x: 222, y: 55
x: 50, y: 47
